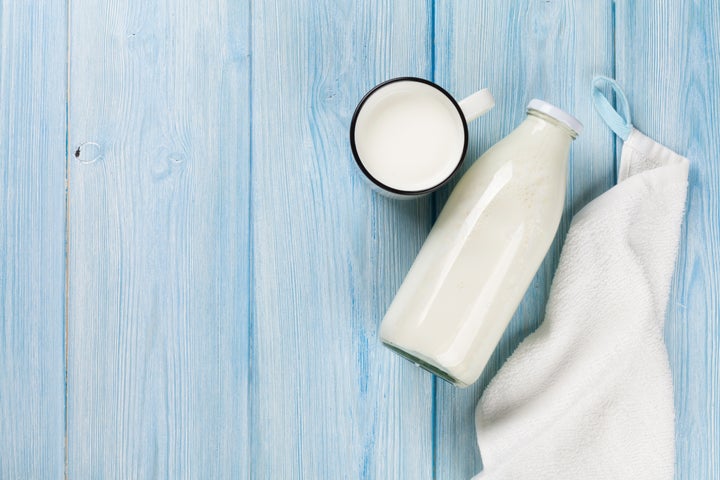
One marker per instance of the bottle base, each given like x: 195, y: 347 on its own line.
x: 425, y: 365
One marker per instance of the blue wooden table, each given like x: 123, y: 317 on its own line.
x: 192, y: 273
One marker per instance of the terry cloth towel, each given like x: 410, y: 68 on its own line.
x: 588, y: 395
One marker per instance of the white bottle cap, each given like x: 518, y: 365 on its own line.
x: 556, y: 113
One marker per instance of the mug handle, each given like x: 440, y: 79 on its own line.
x: 477, y: 104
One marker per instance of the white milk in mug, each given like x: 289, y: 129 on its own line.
x: 483, y: 251
x: 409, y: 136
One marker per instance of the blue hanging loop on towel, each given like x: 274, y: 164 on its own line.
x: 618, y: 120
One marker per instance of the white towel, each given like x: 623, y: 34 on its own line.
x: 589, y: 394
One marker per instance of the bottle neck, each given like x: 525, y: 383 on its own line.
x: 554, y: 122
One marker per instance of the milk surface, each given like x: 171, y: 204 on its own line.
x: 409, y: 136
x: 482, y: 253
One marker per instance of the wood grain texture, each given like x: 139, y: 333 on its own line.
x: 328, y: 401
x: 32, y: 238
x: 521, y: 50
x: 159, y: 288
x: 668, y: 62
x: 227, y: 266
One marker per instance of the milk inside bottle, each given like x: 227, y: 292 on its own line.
x: 483, y: 251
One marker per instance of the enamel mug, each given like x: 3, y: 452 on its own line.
x: 409, y: 135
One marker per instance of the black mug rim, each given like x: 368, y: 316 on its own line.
x: 359, y: 162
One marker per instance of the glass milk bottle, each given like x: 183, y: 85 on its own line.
x: 484, y: 250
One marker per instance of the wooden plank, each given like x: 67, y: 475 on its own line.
x: 668, y: 62
x: 328, y: 401
x: 521, y: 50
x: 32, y: 238
x: 159, y: 290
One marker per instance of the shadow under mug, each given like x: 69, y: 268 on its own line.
x: 409, y: 136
